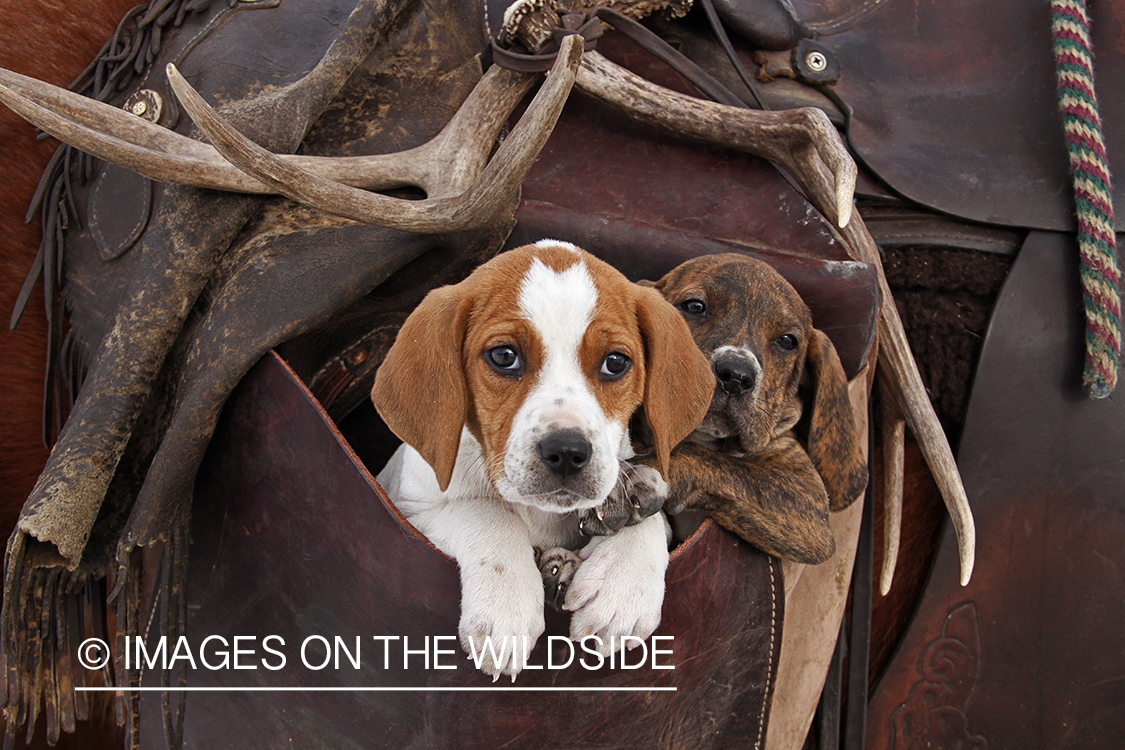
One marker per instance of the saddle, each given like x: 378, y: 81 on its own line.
x: 267, y: 274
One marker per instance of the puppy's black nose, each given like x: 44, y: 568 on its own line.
x: 736, y: 375
x: 565, y: 452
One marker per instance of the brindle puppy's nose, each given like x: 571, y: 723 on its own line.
x: 737, y: 375
x: 565, y: 452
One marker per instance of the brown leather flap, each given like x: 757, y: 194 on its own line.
x: 292, y: 538
x: 1030, y: 653
x: 955, y: 104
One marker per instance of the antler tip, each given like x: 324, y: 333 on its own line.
x: 967, y: 559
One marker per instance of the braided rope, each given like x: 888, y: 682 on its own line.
x: 1094, y: 204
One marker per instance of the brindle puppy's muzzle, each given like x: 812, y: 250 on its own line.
x: 736, y: 374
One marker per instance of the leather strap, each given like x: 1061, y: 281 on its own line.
x: 507, y: 54
x: 859, y: 636
x: 511, y: 58
x: 728, y: 48
x: 707, y: 84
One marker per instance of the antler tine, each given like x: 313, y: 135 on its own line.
x: 894, y: 437
x: 472, y: 208
x: 802, y: 141
x: 906, y: 391
x: 448, y: 164
x: 504, y: 174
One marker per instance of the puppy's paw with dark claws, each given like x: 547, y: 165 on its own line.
x: 558, y: 566
x: 639, y: 493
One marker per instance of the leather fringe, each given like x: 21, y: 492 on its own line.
x: 45, y: 606
x: 128, y: 53
x: 43, y: 624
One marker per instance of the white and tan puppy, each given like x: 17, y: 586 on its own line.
x: 513, y: 392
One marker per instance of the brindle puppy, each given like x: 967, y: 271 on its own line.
x: 778, y: 448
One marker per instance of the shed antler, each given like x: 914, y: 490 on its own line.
x: 464, y: 189
x: 452, y: 206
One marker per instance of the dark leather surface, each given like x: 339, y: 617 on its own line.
x: 262, y: 267
x: 292, y: 538
x: 955, y: 104
x: 1030, y: 654
x: 96, y: 288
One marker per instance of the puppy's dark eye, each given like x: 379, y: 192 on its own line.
x: 614, y: 366
x: 787, y: 341
x: 693, y: 306
x: 505, y: 360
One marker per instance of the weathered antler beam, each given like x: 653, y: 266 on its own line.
x: 807, y: 146
x: 462, y: 186
x: 114, y: 135
x: 472, y: 208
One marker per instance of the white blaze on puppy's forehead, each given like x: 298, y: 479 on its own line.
x: 559, y: 304
x: 544, y: 244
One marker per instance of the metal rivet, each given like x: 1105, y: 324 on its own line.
x: 146, y: 104
x: 816, y: 61
x: 357, y: 356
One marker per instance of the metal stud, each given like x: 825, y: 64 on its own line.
x: 146, y: 104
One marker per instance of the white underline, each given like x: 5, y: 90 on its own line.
x: 287, y: 689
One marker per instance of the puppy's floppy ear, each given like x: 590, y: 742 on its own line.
x: 420, y: 389
x: 679, y: 380
x: 834, y: 445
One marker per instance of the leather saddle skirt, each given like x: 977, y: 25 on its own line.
x: 1030, y: 654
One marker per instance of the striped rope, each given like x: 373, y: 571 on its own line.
x: 1089, y: 170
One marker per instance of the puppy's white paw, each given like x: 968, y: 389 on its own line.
x: 501, y: 615
x: 619, y: 588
